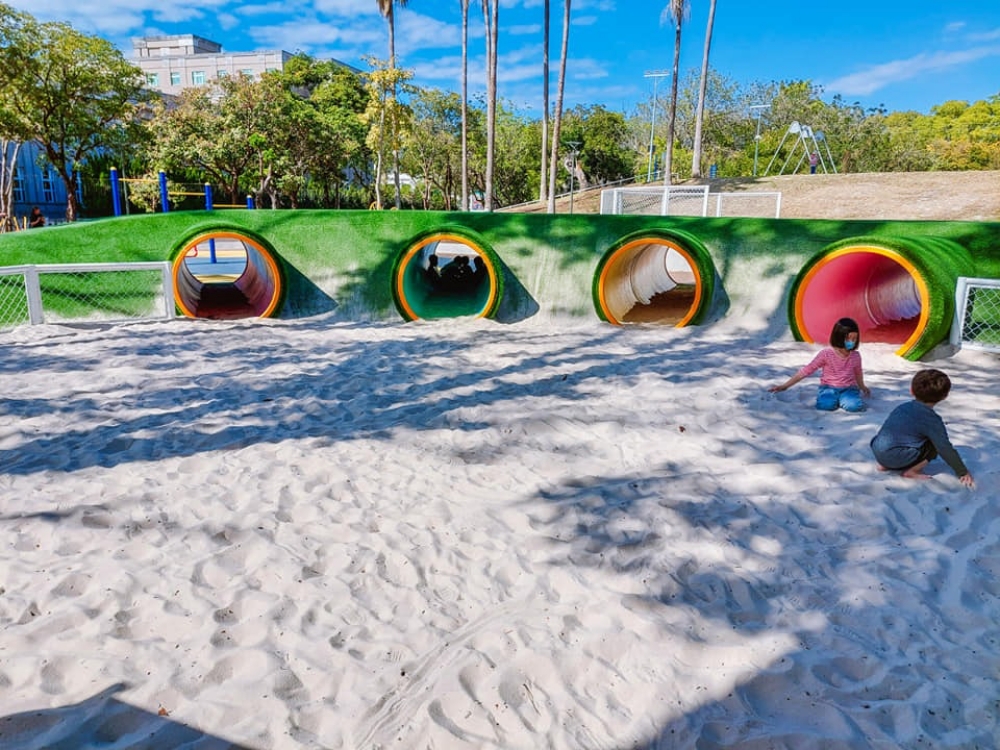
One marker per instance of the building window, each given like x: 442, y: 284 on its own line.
x: 152, y: 79
x: 248, y: 72
x: 18, y: 189
x: 197, y: 77
x: 175, y: 79
x: 47, y: 193
x: 272, y: 70
x: 223, y: 74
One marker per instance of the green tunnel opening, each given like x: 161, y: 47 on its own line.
x: 446, y: 275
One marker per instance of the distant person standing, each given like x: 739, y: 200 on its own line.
x: 813, y: 161
x: 36, y: 219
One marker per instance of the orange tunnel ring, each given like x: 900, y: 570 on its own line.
x: 418, y: 294
x: 899, y: 290
x: 255, y: 288
x: 666, y: 278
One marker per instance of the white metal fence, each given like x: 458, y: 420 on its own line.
x: 689, y: 200
x: 977, y: 314
x: 85, y: 292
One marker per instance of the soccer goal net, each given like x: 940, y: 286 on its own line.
x: 977, y: 314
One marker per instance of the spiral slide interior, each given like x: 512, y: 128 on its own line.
x: 421, y: 292
x: 650, y: 280
x: 226, y: 275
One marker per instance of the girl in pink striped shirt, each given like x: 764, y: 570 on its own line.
x: 841, y: 382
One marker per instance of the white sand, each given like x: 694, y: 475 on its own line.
x: 460, y: 534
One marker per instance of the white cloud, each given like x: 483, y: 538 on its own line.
x: 878, y: 77
x: 264, y: 9
x: 986, y: 36
x: 305, y: 34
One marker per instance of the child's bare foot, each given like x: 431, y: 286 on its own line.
x: 880, y: 467
x: 916, y: 474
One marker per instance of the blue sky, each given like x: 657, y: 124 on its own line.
x: 867, y: 51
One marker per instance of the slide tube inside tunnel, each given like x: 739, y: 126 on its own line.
x: 227, y: 274
x: 655, y: 277
x: 900, y: 291
x: 447, y: 274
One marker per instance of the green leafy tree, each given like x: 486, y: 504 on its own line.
x: 339, y: 158
x: 433, y: 145
x: 195, y: 136
x: 65, y: 90
x: 602, y: 135
x: 518, y: 151
x: 387, y: 118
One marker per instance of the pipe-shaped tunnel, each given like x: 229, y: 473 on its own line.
x: 227, y: 275
x: 900, y: 291
x: 447, y: 275
x: 654, y: 278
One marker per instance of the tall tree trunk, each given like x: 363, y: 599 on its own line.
x: 491, y: 14
x: 465, y: 105
x: 672, y: 117
x: 543, y: 182
x: 392, y: 66
x: 557, y: 126
x: 702, y: 91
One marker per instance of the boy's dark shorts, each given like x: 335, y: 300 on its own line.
x: 903, y: 458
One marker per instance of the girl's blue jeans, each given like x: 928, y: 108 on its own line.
x: 848, y: 399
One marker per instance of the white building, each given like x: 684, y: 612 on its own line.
x: 37, y: 184
x: 179, y: 61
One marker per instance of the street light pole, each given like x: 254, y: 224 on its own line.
x: 574, y: 149
x: 756, y: 139
x: 656, y: 75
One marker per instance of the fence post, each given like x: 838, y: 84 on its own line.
x: 116, y: 200
x: 208, y: 197
x: 33, y: 289
x: 168, y: 290
x: 164, y: 195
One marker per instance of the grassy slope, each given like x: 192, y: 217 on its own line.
x: 342, y: 260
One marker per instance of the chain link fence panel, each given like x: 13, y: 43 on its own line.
x: 977, y: 314
x: 105, y: 292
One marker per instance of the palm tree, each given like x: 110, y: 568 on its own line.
x: 491, y: 10
x: 465, y: 104
x: 386, y: 8
x: 542, y: 183
x: 557, y: 125
x: 702, y: 90
x: 676, y: 13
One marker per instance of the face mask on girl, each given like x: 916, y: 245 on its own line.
x: 849, y: 345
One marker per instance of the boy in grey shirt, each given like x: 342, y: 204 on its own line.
x: 913, y: 434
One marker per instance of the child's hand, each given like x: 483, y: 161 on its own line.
x: 968, y: 481
x: 866, y: 391
x: 775, y: 388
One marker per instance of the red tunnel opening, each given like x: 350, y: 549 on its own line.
x: 877, y: 288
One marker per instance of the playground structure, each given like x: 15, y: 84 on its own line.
x: 810, y: 142
x: 165, y: 193
x: 897, y: 279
